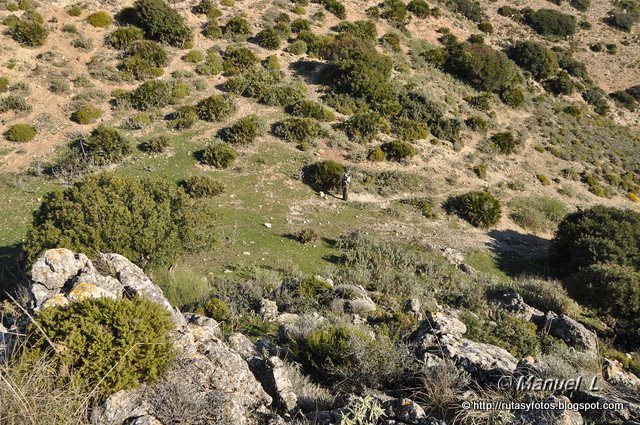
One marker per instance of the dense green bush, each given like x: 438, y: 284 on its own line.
x: 202, y: 186
x: 218, y: 154
x: 335, y: 7
x: 4, y: 84
x: 237, y: 29
x: 504, y: 143
x: 420, y: 8
x: 193, y: 56
x: 550, y: 22
x: 365, y: 30
x: 581, y: 5
x: 162, y: 23
x: 298, y: 47
x: 151, y: 94
x: 470, y: 9
x: 215, y: 108
x: 306, y: 235
x: 596, y: 98
x: 561, y: 84
x: 215, y: 308
x: 398, y: 150
x: 147, y: 221
x: 312, y: 109
x: 120, y: 345
x: 156, y: 144
x: 597, y: 235
x: 391, y: 41
x: 285, y: 94
x: 100, y: 19
x: 212, y: 64
x: 299, y: 25
x: 395, y: 11
x: 86, y: 114
x: 324, y: 175
x: 20, y: 133
x: 300, y: 130
x: 211, y: 29
x: 106, y: 145
x: 269, y: 39
x: 184, y: 117
x: 123, y: 37
x: 481, y: 209
x: 624, y: 100
x: 363, y: 127
x: 244, y: 131
x: 239, y: 59
x: 535, y: 58
x: 539, y: 213
x: 29, y: 31
x: 482, y: 66
x: 144, y: 59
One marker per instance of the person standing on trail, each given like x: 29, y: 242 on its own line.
x: 344, y: 182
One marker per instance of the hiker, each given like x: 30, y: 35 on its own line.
x: 344, y: 182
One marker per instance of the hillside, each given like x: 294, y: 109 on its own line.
x: 205, y: 141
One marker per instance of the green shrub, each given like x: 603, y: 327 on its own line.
x: 365, y: 30
x: 59, y: 85
x: 162, y: 23
x: 156, y: 144
x: 300, y: 130
x: 391, y: 41
x: 4, y: 84
x: 299, y: 25
x: 535, y: 58
x: 398, y: 150
x: 105, y: 145
x: 363, y: 127
x: 480, y: 170
x: 269, y: 39
x: 29, y: 32
x: 237, y: 29
x: 597, y: 235
x: 14, y: 103
x: 194, y: 56
x: 410, y: 130
x: 513, y: 97
x: 470, y: 9
x: 395, y: 11
x: 424, y: 205
x: 481, y: 209
x: 215, y: 108
x: 483, y: 67
x: 144, y: 59
x: 476, y: 123
x: 550, y: 22
x: 420, y: 8
x: 596, y: 98
x: 504, y: 143
x: 324, y: 175
x: 212, y: 65
x: 184, y: 117
x: 122, y: 38
x: 86, y: 114
x: 539, y: 213
x: 623, y: 20
x: 214, y: 308
x: 546, y: 295
x: 298, y: 47
x: 120, y: 345
x: 624, y: 100
x: 211, y: 29
x: 245, y: 131
x: 151, y: 94
x: 581, y: 5
x: 218, y: 154
x: 562, y: 84
x: 306, y: 235
x: 312, y: 109
x: 100, y: 19
x: 311, y: 286
x: 238, y: 60
x: 74, y: 10
x: 335, y: 7
x: 20, y: 133
x: 202, y: 186
x: 285, y: 95
x: 147, y: 221
x: 485, y: 27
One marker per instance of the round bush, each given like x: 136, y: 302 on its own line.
x: 237, y: 29
x: 298, y: 47
x: 238, y: 60
x: 184, y: 117
x: 420, y: 8
x: 123, y: 37
x: 535, y: 58
x: 269, y: 39
x: 147, y: 221
x: 119, y: 344
x: 215, y: 308
x: 363, y: 127
x: 597, y: 235
x: 156, y: 144
x: 194, y: 56
x: 398, y: 150
x: 86, y: 114
x: 100, y: 19
x: 301, y: 130
x: 162, y: 23
x: 215, y: 108
x: 29, y: 32
x: 202, y: 186
x: 144, y: 59
x: 550, y: 22
x: 324, y: 175
x: 219, y: 155
x: 105, y: 145
x: 245, y: 131
x: 312, y: 109
x: 20, y: 133
x: 504, y: 143
x: 481, y: 209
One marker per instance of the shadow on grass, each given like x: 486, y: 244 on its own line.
x: 520, y: 254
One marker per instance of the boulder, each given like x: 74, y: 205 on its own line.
x: 549, y: 416
x: 513, y: 302
x: 441, y: 323
x: 614, y: 373
x: 412, y: 307
x: 268, y: 310
x: 570, y: 331
x: 355, y: 299
x: 274, y: 377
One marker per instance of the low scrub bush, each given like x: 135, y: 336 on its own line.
x: 365, y: 30
x: 215, y: 108
x: 120, y: 345
x: 334, y: 6
x: 306, y: 235
x: 122, y: 38
x: 100, y: 19
x: 398, y: 150
x: 470, y: 9
x: 14, y: 102
x: 86, y: 114
x: 4, y: 84
x: 505, y: 143
x: 420, y: 8
x: 150, y: 94
x: 144, y: 59
x: 29, y: 31
x: 538, y: 213
x: 481, y: 209
x: 284, y: 94
x: 147, y: 221
x: 424, y: 205
x: 394, y: 11
x: 237, y: 29
x: 550, y: 22
x: 162, y: 23
x: 212, y: 64
x: 596, y: 98
x: 535, y: 58
x: 211, y: 29
x: 312, y: 109
x: 546, y: 295
x: 269, y: 39
x: 106, y: 145
x: 202, y: 186
x: 184, y: 117
x: 245, y: 131
x: 562, y: 84
x: 156, y: 144
x: 215, y: 308
x: 218, y: 154
x: 238, y: 60
x: 324, y: 175
x: 300, y: 130
x: 298, y: 47
x: 363, y: 127
x: 20, y: 133
x: 138, y: 121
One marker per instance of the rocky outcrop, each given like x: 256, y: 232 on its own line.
x: 440, y: 334
x: 614, y: 373
x: 551, y: 416
x: 206, y: 364
x: 572, y: 332
x: 513, y: 302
